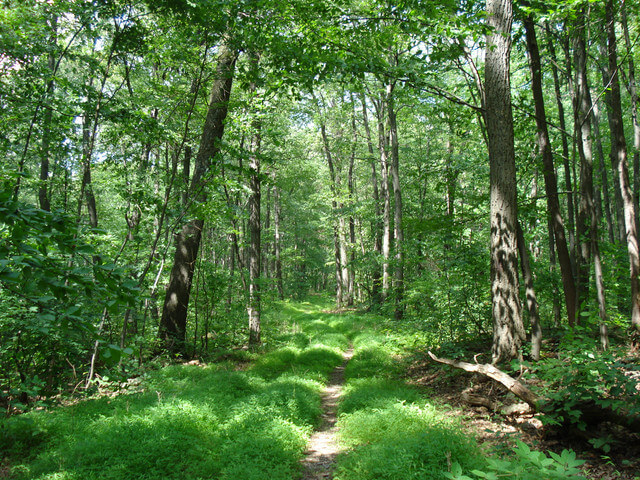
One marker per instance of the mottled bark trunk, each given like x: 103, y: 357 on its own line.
x: 607, y: 74
x: 565, y: 146
x: 508, y: 330
x: 398, y: 231
x: 633, y: 91
x: 277, y: 241
x: 266, y: 244
x: 86, y: 188
x: 619, y: 150
x: 385, y: 191
x: 174, y: 313
x: 254, y: 251
x: 351, y: 288
x: 595, y: 119
x: 186, y: 174
x: 532, y: 299
x: 337, y: 230
x: 344, y: 259
x: 376, y: 224
x: 582, y: 111
x: 550, y: 180
x: 557, y: 307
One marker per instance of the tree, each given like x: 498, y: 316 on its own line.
x: 176, y: 302
x: 508, y: 330
x: 619, y: 151
x: 550, y: 180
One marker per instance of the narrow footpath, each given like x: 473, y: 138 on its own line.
x: 323, y: 446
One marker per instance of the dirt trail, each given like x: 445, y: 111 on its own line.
x: 323, y: 447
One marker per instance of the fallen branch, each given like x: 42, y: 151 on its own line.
x: 592, y: 413
x: 513, y: 385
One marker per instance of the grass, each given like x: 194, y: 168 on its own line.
x: 389, y: 430
x: 200, y: 422
x: 192, y: 422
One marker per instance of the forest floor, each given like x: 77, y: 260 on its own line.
x: 618, y: 455
x: 335, y: 395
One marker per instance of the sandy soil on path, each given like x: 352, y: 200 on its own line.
x: 323, y: 447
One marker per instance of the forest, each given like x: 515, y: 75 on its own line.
x: 231, y: 227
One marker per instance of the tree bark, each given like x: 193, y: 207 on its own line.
x: 385, y: 191
x: 254, y: 240
x: 633, y: 91
x: 508, y: 330
x: 582, y: 109
x: 337, y: 241
x: 595, y: 118
x: 174, y: 313
x: 532, y: 299
x: 550, y: 180
x: 565, y: 148
x: 277, y: 241
x: 619, y: 203
x: 398, y: 231
x: 351, y: 283
x: 376, y: 225
x: 619, y: 150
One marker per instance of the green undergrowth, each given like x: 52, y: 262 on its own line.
x: 193, y: 422
x: 388, y: 429
x: 391, y: 431
x: 249, y: 416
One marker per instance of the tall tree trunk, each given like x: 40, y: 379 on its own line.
x: 254, y: 251
x: 633, y: 91
x: 599, y: 280
x: 619, y: 150
x: 89, y: 135
x: 337, y: 242
x: 174, y: 313
x: 277, y: 241
x: 344, y: 258
x: 508, y: 330
x: 266, y: 247
x: 532, y: 299
x: 550, y: 180
x: 86, y: 188
x: 398, y: 231
x: 352, y: 225
x: 565, y: 145
x: 383, y: 149
x: 186, y: 174
x: 376, y: 225
x: 338, y: 223
x: 557, y: 307
x: 619, y: 203
x: 582, y: 110
x: 595, y: 118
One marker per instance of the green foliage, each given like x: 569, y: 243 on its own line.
x: 190, y: 422
x: 54, y: 289
x: 527, y: 464
x: 581, y: 377
x: 390, y: 432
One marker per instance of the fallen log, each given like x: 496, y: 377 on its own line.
x: 591, y: 412
x: 513, y: 385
